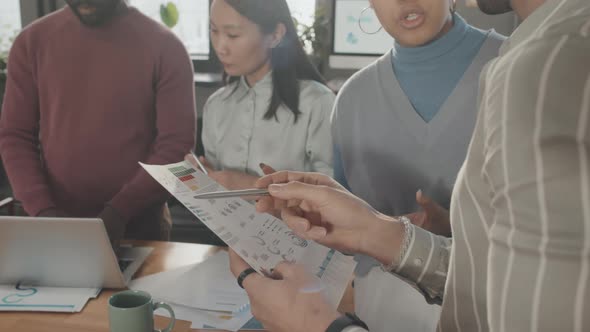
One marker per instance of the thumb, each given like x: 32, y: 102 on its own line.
x: 424, y: 201
x: 284, y: 271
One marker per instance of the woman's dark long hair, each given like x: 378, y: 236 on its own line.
x: 288, y: 60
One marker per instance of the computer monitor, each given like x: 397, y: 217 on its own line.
x: 351, y: 47
x: 192, y: 27
x: 10, y: 16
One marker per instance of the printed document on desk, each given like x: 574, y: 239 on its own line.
x: 259, y: 238
x: 52, y: 299
x: 208, y: 286
x: 205, y: 293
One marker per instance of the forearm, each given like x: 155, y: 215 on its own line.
x: 425, y: 260
x: 19, y: 133
x: 383, y: 239
x: 23, y: 166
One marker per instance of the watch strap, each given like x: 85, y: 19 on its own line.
x: 342, y: 322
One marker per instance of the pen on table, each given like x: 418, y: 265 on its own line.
x: 200, y: 164
x: 233, y: 193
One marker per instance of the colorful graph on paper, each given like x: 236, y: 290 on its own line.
x: 186, y: 176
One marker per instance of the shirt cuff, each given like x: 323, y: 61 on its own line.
x: 426, y: 263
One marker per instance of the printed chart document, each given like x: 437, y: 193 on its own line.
x: 54, y: 299
x: 259, y: 238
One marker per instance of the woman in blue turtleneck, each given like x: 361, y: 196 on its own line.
x: 402, y: 125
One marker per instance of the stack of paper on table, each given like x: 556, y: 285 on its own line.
x: 54, y: 299
x: 260, y: 239
x: 205, y: 294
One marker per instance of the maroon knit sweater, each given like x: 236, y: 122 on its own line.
x: 84, y: 105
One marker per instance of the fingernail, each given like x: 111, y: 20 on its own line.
x: 319, y: 233
x: 275, y: 188
x: 301, y: 227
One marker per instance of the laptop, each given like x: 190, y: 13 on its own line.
x: 64, y: 252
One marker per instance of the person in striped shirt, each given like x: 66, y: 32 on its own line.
x: 519, y: 259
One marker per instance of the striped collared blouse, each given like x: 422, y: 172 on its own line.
x: 519, y: 259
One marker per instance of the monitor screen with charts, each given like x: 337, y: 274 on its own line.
x: 193, y: 23
x: 352, y: 47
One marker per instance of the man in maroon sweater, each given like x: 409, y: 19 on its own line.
x: 93, y: 89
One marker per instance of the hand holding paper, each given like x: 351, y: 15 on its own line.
x: 306, y: 308
x: 260, y: 239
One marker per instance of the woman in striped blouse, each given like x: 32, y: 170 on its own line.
x: 519, y: 259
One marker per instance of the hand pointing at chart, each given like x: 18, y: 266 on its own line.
x: 316, y: 207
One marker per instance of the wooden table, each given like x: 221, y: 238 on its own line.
x: 94, y: 317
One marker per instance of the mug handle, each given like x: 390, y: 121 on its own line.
x: 170, y: 311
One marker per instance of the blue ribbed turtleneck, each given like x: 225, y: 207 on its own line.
x: 428, y: 74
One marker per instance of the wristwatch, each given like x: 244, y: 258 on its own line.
x: 342, y: 322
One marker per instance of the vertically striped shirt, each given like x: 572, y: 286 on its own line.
x: 520, y: 212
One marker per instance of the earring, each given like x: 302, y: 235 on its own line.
x: 361, y: 25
